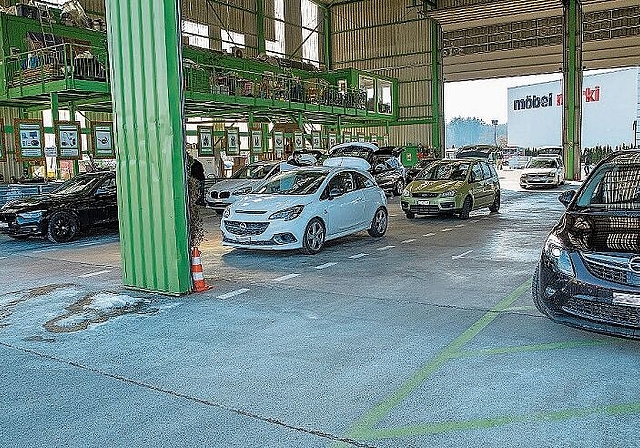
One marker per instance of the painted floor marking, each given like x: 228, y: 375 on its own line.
x: 357, y: 256
x: 385, y: 248
x: 39, y: 251
x: 459, y: 226
x: 429, y: 234
x: 475, y: 221
x: 89, y: 244
x: 326, y: 265
x: 93, y: 274
x: 458, y: 257
x: 393, y: 216
x: 233, y: 294
x: 286, y: 277
x: 448, y: 229
x: 2, y: 258
x: 407, y: 241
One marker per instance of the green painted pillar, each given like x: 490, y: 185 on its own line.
x: 437, y: 88
x: 55, y: 116
x: 572, y: 87
x: 262, y: 46
x: 72, y: 116
x: 145, y: 56
x: 328, y: 56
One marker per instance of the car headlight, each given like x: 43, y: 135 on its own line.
x: 35, y: 214
x: 242, y: 191
x: 557, y: 253
x: 552, y: 174
x: 448, y: 194
x: 406, y: 193
x: 523, y: 176
x: 227, y: 212
x: 288, y: 213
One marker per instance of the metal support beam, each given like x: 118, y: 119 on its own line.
x: 262, y: 46
x: 55, y: 116
x: 572, y: 86
x: 328, y: 56
x: 437, y: 88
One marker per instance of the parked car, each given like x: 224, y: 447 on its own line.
x: 79, y: 204
x: 304, y: 208
x: 386, y: 168
x: 589, y: 270
x: 546, y: 170
x: 246, y: 180
x: 488, y: 153
x: 415, y: 169
x: 454, y: 186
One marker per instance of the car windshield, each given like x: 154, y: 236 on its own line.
x: 612, y: 187
x: 78, y: 185
x: 542, y: 163
x: 445, y: 171
x: 253, y: 172
x: 295, y: 182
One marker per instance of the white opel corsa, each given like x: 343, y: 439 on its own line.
x: 303, y: 208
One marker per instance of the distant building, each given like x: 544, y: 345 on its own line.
x: 610, y: 106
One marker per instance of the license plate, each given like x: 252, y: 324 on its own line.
x: 626, y: 299
x: 424, y: 202
x: 4, y: 225
x: 244, y: 239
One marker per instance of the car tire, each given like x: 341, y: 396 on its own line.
x: 536, y: 293
x: 410, y: 215
x: 379, y: 223
x: 493, y: 208
x: 398, y: 188
x: 467, y: 206
x: 62, y: 227
x: 314, y: 237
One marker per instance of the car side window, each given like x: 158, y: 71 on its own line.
x: 494, y: 173
x: 362, y: 181
x: 486, y: 172
x: 108, y: 186
x: 476, y: 172
x: 343, y: 182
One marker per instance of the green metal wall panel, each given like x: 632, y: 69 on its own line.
x: 146, y: 87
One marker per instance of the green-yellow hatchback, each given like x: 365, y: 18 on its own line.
x: 452, y: 186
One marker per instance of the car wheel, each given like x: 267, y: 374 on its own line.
x: 398, y: 187
x: 467, y: 205
x: 536, y: 293
x: 410, y: 215
x: 496, y: 203
x: 379, y: 223
x: 62, y: 227
x: 314, y: 235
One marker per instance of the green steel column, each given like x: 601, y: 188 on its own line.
x: 437, y: 88
x: 262, y: 46
x: 72, y: 116
x: 328, y: 57
x: 146, y: 86
x: 572, y: 87
x: 55, y: 116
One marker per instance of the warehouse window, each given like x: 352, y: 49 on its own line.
x: 276, y: 47
x: 197, y: 33
x: 230, y: 40
x: 310, y: 49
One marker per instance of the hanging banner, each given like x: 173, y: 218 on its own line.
x: 233, y: 141
x: 333, y: 140
x: 374, y: 139
x: 316, y: 140
x: 205, y: 141
x: 256, y: 141
x: 3, y: 148
x: 298, y: 141
x: 361, y: 138
x: 102, y: 133
x: 346, y: 137
x: 68, y: 141
x: 29, y: 136
x: 278, y: 143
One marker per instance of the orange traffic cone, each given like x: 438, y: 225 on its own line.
x: 197, y: 275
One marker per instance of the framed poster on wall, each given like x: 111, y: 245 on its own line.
x: 316, y: 140
x: 205, y: 141
x: 256, y: 141
x: 278, y: 143
x: 386, y: 140
x: 233, y: 142
x: 68, y: 141
x: 361, y: 138
x: 102, y: 136
x: 298, y: 141
x: 3, y: 147
x: 333, y: 140
x: 374, y: 139
x: 29, y: 136
x: 346, y: 137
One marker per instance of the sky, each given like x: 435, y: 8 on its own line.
x: 485, y: 99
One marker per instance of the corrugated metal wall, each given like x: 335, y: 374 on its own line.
x: 11, y: 167
x: 146, y: 89
x: 388, y: 38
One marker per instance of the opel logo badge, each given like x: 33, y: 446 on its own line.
x: 243, y: 226
x: 634, y: 264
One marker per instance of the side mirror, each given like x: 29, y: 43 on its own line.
x: 100, y: 192
x: 566, y: 197
x: 335, y: 193
x: 380, y: 168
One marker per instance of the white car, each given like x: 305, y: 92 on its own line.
x: 543, y: 171
x: 303, y: 208
x: 246, y: 180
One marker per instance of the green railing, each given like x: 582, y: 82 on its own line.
x: 67, y: 61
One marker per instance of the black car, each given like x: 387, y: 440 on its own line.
x: 79, y: 204
x: 415, y: 169
x: 386, y: 169
x: 589, y: 270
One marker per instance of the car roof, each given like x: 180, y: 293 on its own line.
x: 360, y: 145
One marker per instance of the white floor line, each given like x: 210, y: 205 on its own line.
x: 2, y: 258
x: 407, y: 241
x: 355, y: 257
x: 385, y: 248
x: 93, y: 274
x: 459, y: 226
x: 286, y: 277
x: 393, y: 216
x: 89, y: 244
x: 448, y: 229
x: 39, y: 251
x: 429, y: 234
x: 326, y: 265
x: 475, y: 221
x: 233, y: 294
x: 458, y: 257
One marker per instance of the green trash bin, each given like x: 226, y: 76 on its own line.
x: 409, y: 156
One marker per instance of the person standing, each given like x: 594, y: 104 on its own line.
x: 197, y: 172
x: 587, y: 161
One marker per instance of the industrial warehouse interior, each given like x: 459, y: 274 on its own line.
x: 255, y: 223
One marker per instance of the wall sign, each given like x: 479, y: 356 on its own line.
x: 205, y: 141
x: 233, y: 141
x: 102, y: 133
x: 68, y: 141
x: 298, y: 141
x: 256, y: 141
x: 386, y: 140
x: 333, y: 140
x: 374, y: 139
x: 316, y: 140
x: 278, y: 143
x: 346, y: 137
x: 361, y: 138
x: 3, y: 148
x: 30, y: 139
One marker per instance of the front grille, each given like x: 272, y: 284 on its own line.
x: 604, y: 312
x: 424, y: 209
x: 251, y: 212
x: 426, y: 195
x: 250, y: 243
x: 8, y: 217
x: 224, y: 195
x: 246, y: 228
x: 220, y: 194
x: 611, y: 269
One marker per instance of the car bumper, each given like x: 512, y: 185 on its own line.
x: 278, y: 235
x: 429, y: 206
x: 532, y: 182
x: 17, y: 227
x: 587, y: 302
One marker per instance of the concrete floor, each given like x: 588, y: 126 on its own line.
x: 425, y: 338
